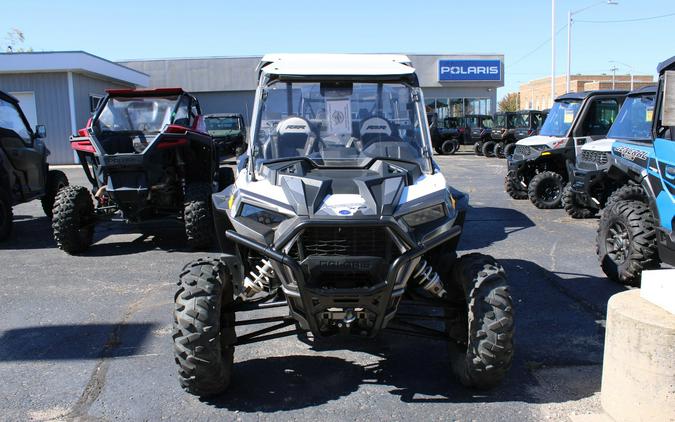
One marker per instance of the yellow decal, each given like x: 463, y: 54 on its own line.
x: 545, y: 153
x: 649, y: 115
x: 230, y: 202
x: 569, y: 116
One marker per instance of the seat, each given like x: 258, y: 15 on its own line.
x: 294, y: 138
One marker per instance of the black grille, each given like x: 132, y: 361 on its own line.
x: 522, y: 150
x: 598, y: 157
x: 344, y: 241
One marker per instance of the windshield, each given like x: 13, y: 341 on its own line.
x: 137, y: 114
x: 218, y: 125
x: 500, y: 120
x: 340, y: 124
x: 521, y: 120
x: 560, y: 118
x: 635, y: 119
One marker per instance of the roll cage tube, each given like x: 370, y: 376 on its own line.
x: 265, y: 81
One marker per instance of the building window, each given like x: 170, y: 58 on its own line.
x: 94, y: 100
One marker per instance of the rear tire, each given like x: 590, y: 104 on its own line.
x: 509, y: 149
x: 478, y: 149
x: 513, y: 187
x: 74, y: 219
x: 546, y: 189
x: 6, y: 215
x: 449, y: 147
x: 499, y: 150
x: 484, y: 358
x: 489, y: 148
x: 197, y: 215
x: 56, y: 180
x: 573, y: 206
x: 203, y: 327
x: 626, y: 242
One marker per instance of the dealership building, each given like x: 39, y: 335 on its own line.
x: 61, y: 88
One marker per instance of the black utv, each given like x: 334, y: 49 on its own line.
x: 147, y: 155
x: 538, y: 168
x: 228, y: 131
x: 480, y: 126
x: 445, y: 133
x: 528, y: 123
x: 503, y: 132
x: 24, y: 172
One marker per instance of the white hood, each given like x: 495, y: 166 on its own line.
x: 603, y: 145
x: 539, y: 140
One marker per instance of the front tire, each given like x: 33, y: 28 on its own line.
x: 626, y: 241
x: 489, y: 148
x: 627, y: 193
x: 509, y: 149
x: 546, y: 189
x: 6, y: 215
x: 573, y: 205
x: 499, y: 150
x: 483, y: 359
x: 56, y: 180
x: 197, y: 215
x: 74, y: 220
x: 478, y: 149
x: 203, y: 327
x: 513, y: 187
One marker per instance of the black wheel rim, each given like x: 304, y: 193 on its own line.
x: 447, y: 147
x: 618, y: 241
x: 550, y: 191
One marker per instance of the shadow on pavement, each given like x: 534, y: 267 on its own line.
x: 484, y: 226
x: 73, y: 342
x: 558, y: 355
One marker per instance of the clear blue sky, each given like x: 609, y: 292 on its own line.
x: 124, y: 29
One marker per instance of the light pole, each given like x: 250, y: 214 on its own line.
x: 571, y: 13
x: 632, y: 71
x: 552, y: 51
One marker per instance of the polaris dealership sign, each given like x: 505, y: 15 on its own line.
x: 469, y: 70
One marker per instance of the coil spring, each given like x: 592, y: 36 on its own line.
x: 429, y: 279
x: 260, y: 280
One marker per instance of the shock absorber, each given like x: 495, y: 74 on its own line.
x: 429, y: 279
x: 259, y: 280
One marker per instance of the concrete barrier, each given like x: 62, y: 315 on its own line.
x: 638, y: 374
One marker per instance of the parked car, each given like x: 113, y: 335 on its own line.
x: 538, y: 168
x: 228, y: 131
x: 635, y: 233
x: 24, y: 172
x: 480, y: 126
x: 147, y: 155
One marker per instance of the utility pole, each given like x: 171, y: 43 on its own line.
x: 552, y: 51
x: 614, y: 69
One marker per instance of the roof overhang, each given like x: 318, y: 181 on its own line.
x: 71, y: 61
x: 154, y: 92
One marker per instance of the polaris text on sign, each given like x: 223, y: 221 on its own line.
x: 469, y: 70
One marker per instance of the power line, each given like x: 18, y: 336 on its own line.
x: 537, y: 48
x: 629, y: 20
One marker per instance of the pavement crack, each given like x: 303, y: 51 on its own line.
x: 552, y: 255
x: 97, y: 379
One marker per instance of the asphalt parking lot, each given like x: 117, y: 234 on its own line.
x: 89, y: 337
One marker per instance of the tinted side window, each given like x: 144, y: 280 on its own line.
x: 11, y: 119
x: 601, y: 116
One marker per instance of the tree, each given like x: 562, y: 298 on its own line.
x: 510, y: 102
x: 15, y: 40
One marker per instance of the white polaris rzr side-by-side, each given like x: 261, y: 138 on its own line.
x: 340, y: 217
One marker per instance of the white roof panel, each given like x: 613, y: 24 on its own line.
x: 336, y: 64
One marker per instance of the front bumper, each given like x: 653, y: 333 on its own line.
x: 583, y: 182
x: 320, y: 308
